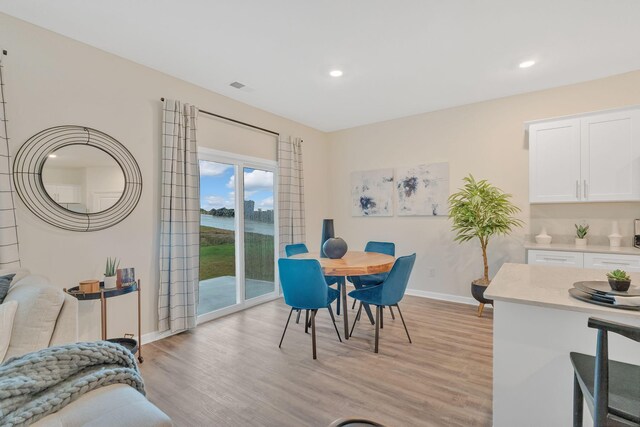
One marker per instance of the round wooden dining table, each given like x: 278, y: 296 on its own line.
x: 353, y: 263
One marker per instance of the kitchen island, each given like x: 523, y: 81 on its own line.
x: 536, y: 324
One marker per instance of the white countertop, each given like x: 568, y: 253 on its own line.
x: 568, y: 247
x: 547, y: 286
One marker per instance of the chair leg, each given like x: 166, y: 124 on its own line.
x: 377, y: 328
x: 306, y: 321
x: 298, y: 316
x: 285, y: 327
x: 333, y: 319
x: 313, y: 332
x: 367, y: 309
x: 382, y: 317
x: 403, y: 324
x: 359, y: 312
x: 578, y: 403
x: 355, y: 320
x: 338, y: 300
x: 480, y: 309
x: 354, y: 305
x: 393, y: 316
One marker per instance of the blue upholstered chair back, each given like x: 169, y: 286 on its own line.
x: 396, y: 283
x: 295, y: 249
x: 303, y: 284
x: 386, y: 248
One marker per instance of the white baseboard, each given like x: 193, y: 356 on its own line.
x: 155, y: 336
x: 441, y: 296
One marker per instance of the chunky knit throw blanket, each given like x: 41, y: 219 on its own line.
x: 43, y: 382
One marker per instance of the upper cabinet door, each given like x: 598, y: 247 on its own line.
x: 554, y: 162
x: 611, y: 157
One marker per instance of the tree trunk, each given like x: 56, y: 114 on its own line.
x: 485, y: 278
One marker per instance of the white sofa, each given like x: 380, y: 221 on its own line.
x: 46, y: 316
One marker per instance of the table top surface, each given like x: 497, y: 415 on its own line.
x: 108, y: 293
x: 548, y: 286
x: 353, y: 263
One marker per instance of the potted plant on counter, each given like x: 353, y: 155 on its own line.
x: 480, y: 210
x: 581, y: 234
x: 619, y: 280
x: 110, y: 273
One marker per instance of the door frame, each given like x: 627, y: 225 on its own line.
x: 239, y: 162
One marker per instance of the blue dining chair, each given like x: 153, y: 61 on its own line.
x: 304, y: 288
x: 360, y: 282
x: 388, y: 293
x: 301, y: 248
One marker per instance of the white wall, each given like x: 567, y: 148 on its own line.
x: 488, y: 140
x: 52, y: 80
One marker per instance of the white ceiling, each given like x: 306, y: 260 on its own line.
x: 399, y: 57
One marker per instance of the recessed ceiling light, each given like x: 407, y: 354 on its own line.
x: 53, y: 156
x: 527, y: 64
x: 335, y: 73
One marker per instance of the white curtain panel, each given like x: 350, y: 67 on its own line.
x: 290, y: 192
x: 9, y: 253
x: 180, y: 220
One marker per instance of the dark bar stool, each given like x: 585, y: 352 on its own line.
x: 611, y: 388
x: 354, y: 422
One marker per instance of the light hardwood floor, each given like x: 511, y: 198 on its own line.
x: 230, y: 372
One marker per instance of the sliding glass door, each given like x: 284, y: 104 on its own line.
x: 259, y: 233
x: 237, y: 233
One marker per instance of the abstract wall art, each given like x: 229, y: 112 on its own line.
x: 372, y: 193
x: 423, y: 190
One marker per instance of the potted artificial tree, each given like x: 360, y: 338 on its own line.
x: 480, y: 210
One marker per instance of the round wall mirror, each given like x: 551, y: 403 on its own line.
x: 82, y: 179
x: 77, y: 178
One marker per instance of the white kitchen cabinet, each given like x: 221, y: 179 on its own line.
x: 598, y: 260
x: 628, y: 263
x: 554, y: 162
x: 589, y: 158
x: 611, y: 157
x: 556, y: 258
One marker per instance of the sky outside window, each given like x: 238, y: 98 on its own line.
x: 217, y: 184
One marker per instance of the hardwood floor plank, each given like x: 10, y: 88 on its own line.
x: 230, y: 371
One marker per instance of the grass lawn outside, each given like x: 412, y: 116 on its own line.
x: 217, y: 254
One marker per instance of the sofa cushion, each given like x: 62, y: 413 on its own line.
x: 20, y: 273
x: 114, y: 405
x: 7, y: 314
x: 5, y: 282
x: 38, y: 307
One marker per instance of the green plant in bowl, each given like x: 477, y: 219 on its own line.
x: 619, y: 280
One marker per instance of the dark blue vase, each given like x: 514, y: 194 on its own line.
x: 335, y: 248
x: 327, y: 233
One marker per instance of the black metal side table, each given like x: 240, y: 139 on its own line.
x: 103, y: 295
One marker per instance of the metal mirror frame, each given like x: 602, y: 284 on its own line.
x: 27, y: 176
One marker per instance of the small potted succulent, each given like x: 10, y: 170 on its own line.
x: 619, y: 280
x: 110, y: 273
x: 581, y: 234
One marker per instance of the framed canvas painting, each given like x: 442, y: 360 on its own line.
x: 372, y: 193
x: 423, y: 190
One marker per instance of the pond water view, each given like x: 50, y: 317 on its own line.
x: 227, y: 223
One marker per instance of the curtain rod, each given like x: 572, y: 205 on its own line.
x: 236, y: 121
